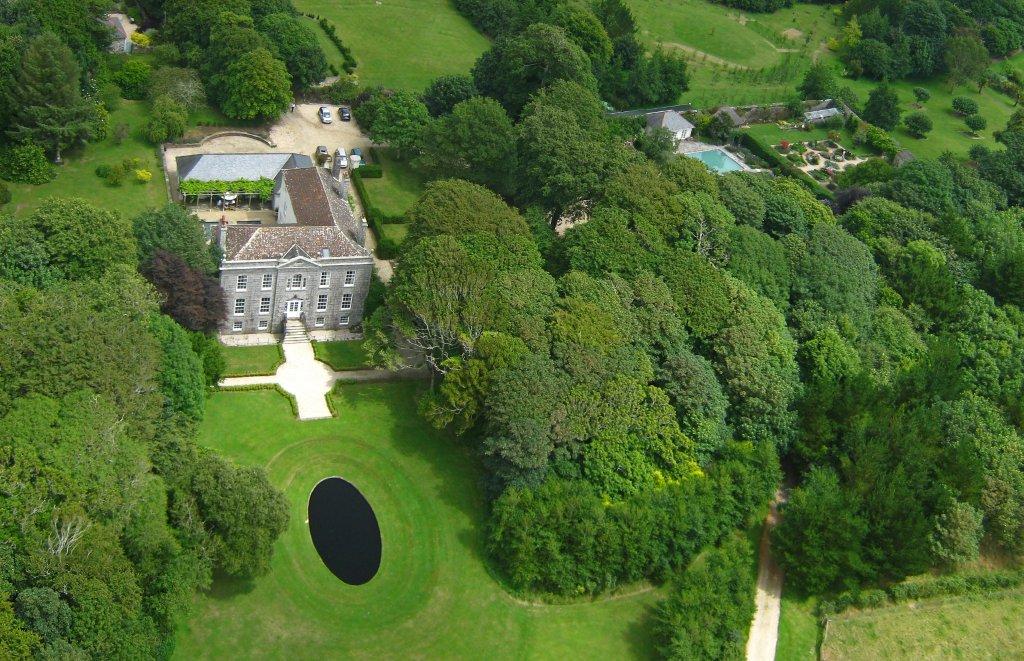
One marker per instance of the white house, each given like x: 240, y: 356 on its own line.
x: 673, y: 121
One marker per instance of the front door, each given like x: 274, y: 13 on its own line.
x: 294, y: 309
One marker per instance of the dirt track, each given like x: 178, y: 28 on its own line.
x: 764, y: 629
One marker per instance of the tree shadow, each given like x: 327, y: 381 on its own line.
x: 224, y: 587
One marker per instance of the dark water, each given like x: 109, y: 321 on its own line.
x: 344, y: 530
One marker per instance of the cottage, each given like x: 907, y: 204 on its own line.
x: 673, y: 121
x: 819, y: 116
x: 310, y: 266
x: 123, y: 29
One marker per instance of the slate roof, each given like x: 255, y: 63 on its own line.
x: 233, y: 167
x: 733, y: 116
x: 669, y: 119
x: 249, y: 242
x: 315, y: 200
x: 323, y: 221
x: 818, y: 115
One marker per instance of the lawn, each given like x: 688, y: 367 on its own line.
x: 347, y: 355
x: 396, y: 191
x: 981, y: 627
x: 950, y: 133
x: 798, y: 630
x: 736, y: 58
x: 434, y: 596
x: 77, y: 177
x: 772, y: 134
x: 403, y: 44
x: 252, y: 361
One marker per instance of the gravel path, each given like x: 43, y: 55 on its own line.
x: 764, y: 629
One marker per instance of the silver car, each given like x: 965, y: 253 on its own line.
x: 325, y: 114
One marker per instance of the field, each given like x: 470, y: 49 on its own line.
x: 982, y: 627
x: 736, y: 58
x: 340, y: 356
x: 403, y: 44
x: 251, y: 361
x: 77, y: 177
x: 950, y: 133
x: 434, y: 596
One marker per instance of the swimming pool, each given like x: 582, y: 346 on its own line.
x: 717, y: 159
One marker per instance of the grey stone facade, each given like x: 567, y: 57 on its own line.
x: 306, y: 296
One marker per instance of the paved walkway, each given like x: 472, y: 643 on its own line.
x: 309, y: 380
x: 764, y: 629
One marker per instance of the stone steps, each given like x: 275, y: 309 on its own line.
x: 295, y: 332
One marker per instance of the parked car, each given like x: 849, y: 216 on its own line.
x: 356, y: 151
x: 356, y: 158
x: 321, y: 154
x: 325, y: 114
x: 345, y: 114
x: 341, y: 158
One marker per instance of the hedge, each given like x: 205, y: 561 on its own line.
x: 783, y: 166
x: 266, y: 386
x: 386, y: 247
x: 349, y: 61
x: 950, y: 585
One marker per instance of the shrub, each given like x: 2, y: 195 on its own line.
x: 26, y: 164
x: 965, y: 106
x: 166, y: 54
x: 921, y: 94
x: 133, y: 78
x: 918, y: 124
x: 975, y: 123
x: 114, y: 175
x: 371, y: 171
x: 143, y: 176
x: 109, y: 95
x: 880, y: 140
x: 5, y: 193
x: 121, y: 132
x: 141, y: 39
x: 167, y: 121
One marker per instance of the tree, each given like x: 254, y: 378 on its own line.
x: 190, y: 297
x: 180, y: 374
x: 957, y: 534
x: 819, y: 82
x: 74, y: 240
x: 168, y: 119
x: 181, y: 85
x: 517, y: 66
x: 444, y: 92
x: 819, y: 541
x: 966, y: 58
x: 882, y: 108
x: 257, y: 86
x: 458, y: 208
x: 708, y: 611
x: 918, y: 124
x: 47, y: 105
x: 965, y: 106
x: 244, y: 513
x: 173, y: 229
x: 476, y: 142
x: 133, y: 78
x: 296, y: 44
x: 975, y: 123
x: 922, y: 95
x: 394, y: 118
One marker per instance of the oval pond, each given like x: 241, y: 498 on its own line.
x: 344, y: 530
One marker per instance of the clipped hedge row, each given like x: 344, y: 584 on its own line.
x: 950, y: 585
x: 386, y: 247
x: 782, y: 165
x: 349, y: 63
x: 266, y: 386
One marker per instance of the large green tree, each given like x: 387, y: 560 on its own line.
x: 257, y: 87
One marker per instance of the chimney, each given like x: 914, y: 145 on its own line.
x: 222, y: 234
